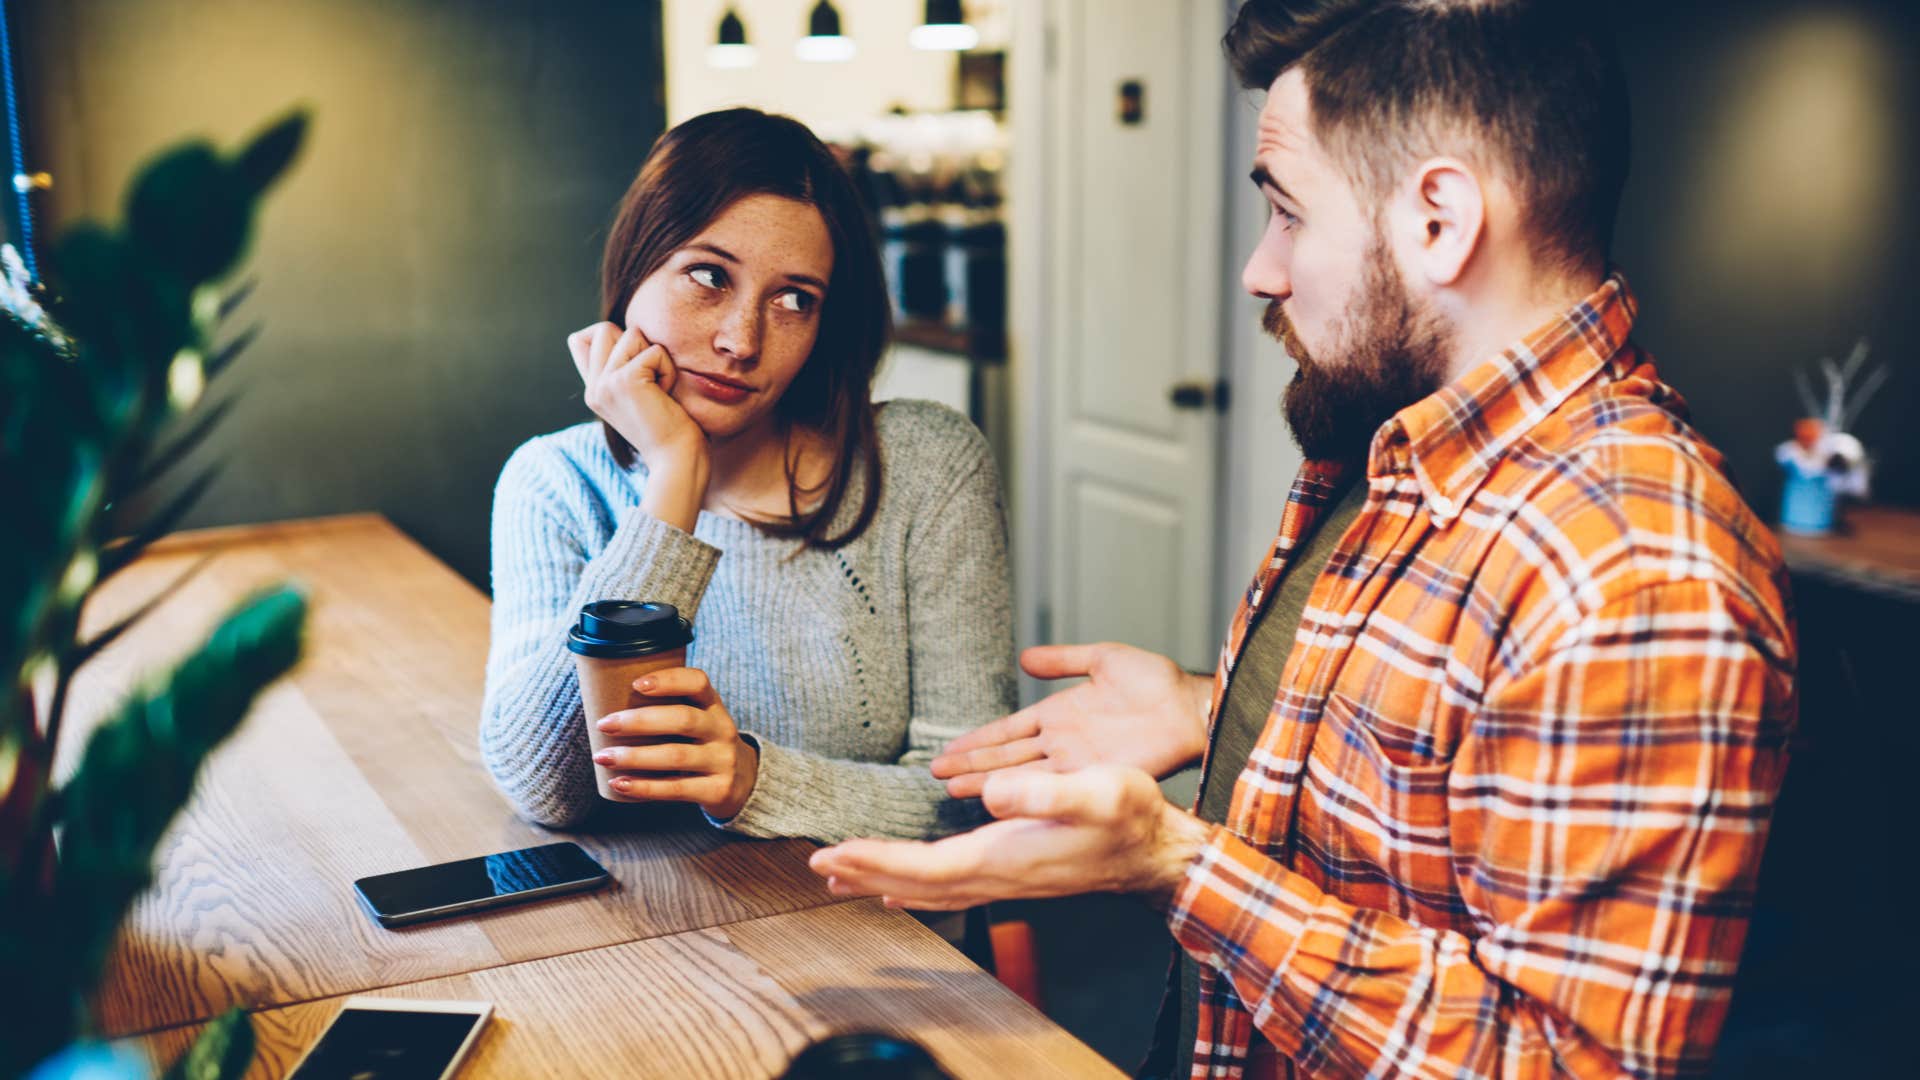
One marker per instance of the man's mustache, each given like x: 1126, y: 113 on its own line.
x: 1275, y: 322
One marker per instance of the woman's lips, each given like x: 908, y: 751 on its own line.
x: 716, y: 388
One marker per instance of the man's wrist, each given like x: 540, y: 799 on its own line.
x: 1200, y: 694
x: 1181, y: 839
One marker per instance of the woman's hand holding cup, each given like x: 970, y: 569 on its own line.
x: 629, y: 384
x: 708, y: 763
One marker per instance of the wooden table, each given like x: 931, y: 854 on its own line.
x: 1876, y: 549
x: 710, y: 955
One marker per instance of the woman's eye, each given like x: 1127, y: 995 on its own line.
x: 795, y: 301
x: 709, y: 276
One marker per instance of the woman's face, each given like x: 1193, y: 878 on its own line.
x: 738, y: 309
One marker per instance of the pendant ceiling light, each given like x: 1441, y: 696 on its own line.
x: 945, y: 29
x: 730, y: 48
x: 824, y: 43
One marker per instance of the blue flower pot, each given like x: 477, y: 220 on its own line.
x: 1807, y: 504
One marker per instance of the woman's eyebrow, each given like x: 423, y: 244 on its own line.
x: 723, y: 253
x: 714, y: 249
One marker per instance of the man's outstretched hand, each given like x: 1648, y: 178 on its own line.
x: 1102, y: 829
x: 1137, y: 709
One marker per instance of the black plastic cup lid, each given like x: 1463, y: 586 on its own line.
x: 864, y: 1055
x: 610, y: 629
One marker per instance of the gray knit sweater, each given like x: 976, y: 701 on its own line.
x: 847, y: 669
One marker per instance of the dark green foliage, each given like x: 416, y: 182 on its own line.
x: 223, y: 1050
x: 84, y: 405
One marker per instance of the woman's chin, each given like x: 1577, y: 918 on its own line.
x: 718, y: 421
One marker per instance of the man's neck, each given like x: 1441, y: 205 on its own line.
x: 1507, y: 312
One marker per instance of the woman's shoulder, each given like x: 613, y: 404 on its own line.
x: 573, y: 457
x: 926, y: 436
x: 928, y: 452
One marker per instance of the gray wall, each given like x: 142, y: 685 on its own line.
x: 424, y: 260
x: 1770, y: 218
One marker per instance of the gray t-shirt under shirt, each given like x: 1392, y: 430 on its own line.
x: 1243, y: 717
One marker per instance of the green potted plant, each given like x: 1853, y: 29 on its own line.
x: 103, y: 369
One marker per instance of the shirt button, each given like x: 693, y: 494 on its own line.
x: 1443, y: 507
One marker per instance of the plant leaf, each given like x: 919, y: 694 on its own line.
x: 264, y: 159
x: 231, y: 302
x: 168, y: 456
x: 223, y: 359
x: 222, y: 1051
x: 140, y: 766
x: 189, y: 212
x: 117, y: 554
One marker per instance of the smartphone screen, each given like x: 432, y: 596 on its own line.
x: 408, y: 1041
x: 469, y: 884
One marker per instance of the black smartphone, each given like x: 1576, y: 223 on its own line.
x: 464, y: 885
x: 394, y: 1039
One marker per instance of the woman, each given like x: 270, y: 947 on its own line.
x: 844, y: 565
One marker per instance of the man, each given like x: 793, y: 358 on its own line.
x: 1497, y: 731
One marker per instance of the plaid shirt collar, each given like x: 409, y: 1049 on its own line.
x: 1452, y: 439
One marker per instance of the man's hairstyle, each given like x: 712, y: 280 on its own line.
x: 1531, y: 89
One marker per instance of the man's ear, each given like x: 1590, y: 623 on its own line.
x: 1445, y: 211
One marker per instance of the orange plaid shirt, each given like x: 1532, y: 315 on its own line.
x: 1507, y: 813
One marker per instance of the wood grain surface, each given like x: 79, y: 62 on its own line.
x: 363, y: 761
x: 732, y: 1001
x: 1877, y: 549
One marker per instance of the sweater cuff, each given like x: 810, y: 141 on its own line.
x: 646, y: 555
x: 772, y: 809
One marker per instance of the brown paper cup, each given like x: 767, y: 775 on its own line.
x: 606, y: 686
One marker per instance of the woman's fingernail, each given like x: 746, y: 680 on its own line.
x: 608, y: 723
x: 603, y: 758
x: 645, y: 684
x: 623, y: 784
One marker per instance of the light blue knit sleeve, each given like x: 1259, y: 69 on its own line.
x: 547, y: 562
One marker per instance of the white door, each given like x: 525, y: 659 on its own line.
x: 1137, y: 93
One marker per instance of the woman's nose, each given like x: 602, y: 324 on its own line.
x: 739, y: 333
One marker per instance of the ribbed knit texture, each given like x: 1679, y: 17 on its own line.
x: 848, y: 669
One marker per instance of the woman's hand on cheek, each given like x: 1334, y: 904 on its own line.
x: 708, y: 763
x: 629, y: 384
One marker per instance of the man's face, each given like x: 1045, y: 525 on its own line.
x: 1364, y: 346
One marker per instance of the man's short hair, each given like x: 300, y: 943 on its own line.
x: 1531, y: 89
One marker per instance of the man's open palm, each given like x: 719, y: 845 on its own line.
x: 1137, y: 709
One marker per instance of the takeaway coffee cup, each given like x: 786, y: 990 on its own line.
x: 613, y: 643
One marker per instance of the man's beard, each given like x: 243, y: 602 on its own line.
x: 1385, y: 356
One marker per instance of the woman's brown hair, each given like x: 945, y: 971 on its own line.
x: 694, y: 172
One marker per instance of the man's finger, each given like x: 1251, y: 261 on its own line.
x: 1086, y: 795
x: 1024, y: 724
x: 986, y: 759
x: 931, y: 865
x: 970, y: 785
x: 1058, y: 661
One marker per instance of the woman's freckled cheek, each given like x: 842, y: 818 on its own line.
x: 673, y: 323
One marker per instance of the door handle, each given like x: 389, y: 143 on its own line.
x: 1199, y: 394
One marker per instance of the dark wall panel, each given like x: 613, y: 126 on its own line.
x: 423, y: 263
x: 1770, y: 218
